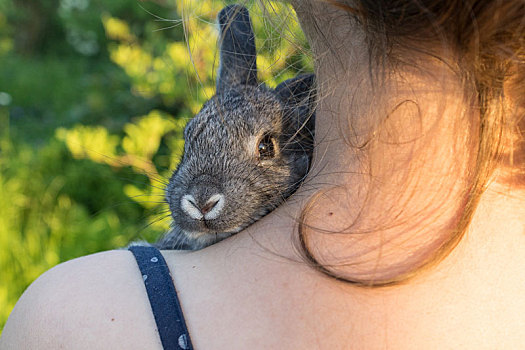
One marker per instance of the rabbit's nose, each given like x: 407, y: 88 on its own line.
x: 209, y: 206
x: 210, y: 210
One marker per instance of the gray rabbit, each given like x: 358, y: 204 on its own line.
x: 245, y: 152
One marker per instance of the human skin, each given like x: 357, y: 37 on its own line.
x: 253, y: 291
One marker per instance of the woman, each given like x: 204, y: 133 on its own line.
x: 408, y: 234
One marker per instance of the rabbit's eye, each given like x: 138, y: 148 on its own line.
x: 266, y: 147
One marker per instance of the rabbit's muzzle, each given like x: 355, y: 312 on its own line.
x: 202, y: 205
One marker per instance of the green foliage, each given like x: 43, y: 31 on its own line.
x: 136, y: 149
x: 94, y: 98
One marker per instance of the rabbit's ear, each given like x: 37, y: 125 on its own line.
x: 298, y: 90
x: 299, y: 98
x: 237, y: 48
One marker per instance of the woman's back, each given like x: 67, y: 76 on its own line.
x: 239, y: 294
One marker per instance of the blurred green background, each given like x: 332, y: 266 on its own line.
x: 94, y: 96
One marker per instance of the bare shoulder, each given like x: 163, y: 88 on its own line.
x: 97, y: 301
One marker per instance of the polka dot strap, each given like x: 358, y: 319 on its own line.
x: 163, y: 298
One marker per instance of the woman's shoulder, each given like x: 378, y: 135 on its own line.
x: 97, y: 301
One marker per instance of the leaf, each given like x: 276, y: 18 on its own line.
x: 90, y: 142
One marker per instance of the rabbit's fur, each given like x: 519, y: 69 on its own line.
x: 245, y: 152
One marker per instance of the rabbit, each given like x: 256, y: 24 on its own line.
x: 245, y: 152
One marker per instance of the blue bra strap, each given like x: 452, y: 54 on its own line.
x: 163, y: 298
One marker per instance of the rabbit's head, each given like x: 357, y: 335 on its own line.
x: 247, y: 150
